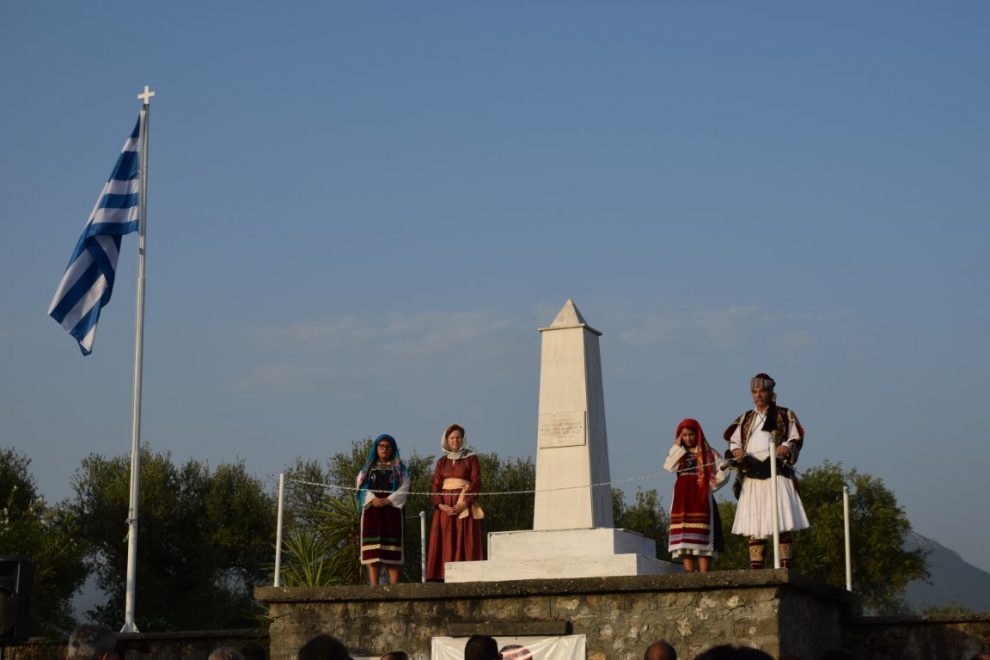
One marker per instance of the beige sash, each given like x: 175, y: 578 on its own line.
x: 474, y: 509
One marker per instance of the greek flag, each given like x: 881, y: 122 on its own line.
x: 88, y: 280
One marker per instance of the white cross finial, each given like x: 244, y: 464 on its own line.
x: 146, y: 95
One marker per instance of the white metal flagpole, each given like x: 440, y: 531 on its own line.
x: 278, y: 530
x: 845, y: 524
x: 776, y: 504
x: 132, y: 510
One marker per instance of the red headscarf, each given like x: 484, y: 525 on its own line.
x: 701, y: 449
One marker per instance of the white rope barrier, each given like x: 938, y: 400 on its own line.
x: 326, y: 486
x: 646, y: 477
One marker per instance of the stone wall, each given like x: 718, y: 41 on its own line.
x: 620, y: 615
x: 920, y: 637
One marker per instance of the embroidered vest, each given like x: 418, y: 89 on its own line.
x: 778, y: 423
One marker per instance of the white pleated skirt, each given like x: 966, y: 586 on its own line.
x: 754, y: 513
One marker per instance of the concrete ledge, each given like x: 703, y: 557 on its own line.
x: 918, y: 620
x: 919, y: 637
x: 562, y: 587
x: 510, y: 628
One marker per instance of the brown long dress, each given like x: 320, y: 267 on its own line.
x: 453, y: 538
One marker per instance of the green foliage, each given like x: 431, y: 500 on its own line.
x: 881, y: 567
x: 953, y: 608
x: 47, y: 536
x: 505, y: 513
x: 324, y: 552
x: 647, y: 517
x: 736, y: 553
x: 321, y: 543
x: 204, y: 539
x: 308, y: 560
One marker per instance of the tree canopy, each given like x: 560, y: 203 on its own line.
x: 645, y: 516
x: 205, y: 538
x: 48, y: 536
x: 881, y: 566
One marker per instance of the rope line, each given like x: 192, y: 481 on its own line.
x: 486, y: 493
x: 646, y: 477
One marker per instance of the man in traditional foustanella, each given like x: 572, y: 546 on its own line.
x: 750, y: 438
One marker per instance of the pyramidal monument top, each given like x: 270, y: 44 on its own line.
x: 569, y: 317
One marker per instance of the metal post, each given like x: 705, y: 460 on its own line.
x: 278, y: 530
x: 776, y: 504
x: 422, y: 544
x: 132, y: 511
x: 845, y: 517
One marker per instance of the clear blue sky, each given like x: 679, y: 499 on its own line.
x: 361, y: 213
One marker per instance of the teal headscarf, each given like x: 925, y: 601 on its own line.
x: 399, y: 471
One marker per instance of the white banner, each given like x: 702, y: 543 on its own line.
x: 567, y: 647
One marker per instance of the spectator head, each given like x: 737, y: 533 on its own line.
x: 396, y: 655
x: 729, y: 652
x: 838, y: 654
x: 660, y: 650
x: 254, y: 652
x: 481, y: 647
x: 225, y: 653
x: 324, y: 647
x: 92, y: 642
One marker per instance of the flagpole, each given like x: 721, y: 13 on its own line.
x: 132, y: 511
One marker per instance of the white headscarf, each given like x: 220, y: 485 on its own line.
x: 463, y: 452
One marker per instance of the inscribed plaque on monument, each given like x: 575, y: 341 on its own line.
x: 562, y: 429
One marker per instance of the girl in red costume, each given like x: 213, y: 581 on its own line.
x: 695, y: 528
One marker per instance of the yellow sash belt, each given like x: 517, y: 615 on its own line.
x: 474, y: 509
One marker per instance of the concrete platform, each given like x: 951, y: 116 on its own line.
x: 561, y: 553
x: 497, y: 570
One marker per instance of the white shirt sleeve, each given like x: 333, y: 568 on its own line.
x: 719, y: 476
x: 398, y: 497
x: 735, y: 441
x: 673, y: 458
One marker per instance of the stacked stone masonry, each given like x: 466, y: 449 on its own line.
x: 619, y: 615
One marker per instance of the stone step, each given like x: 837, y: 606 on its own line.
x: 500, y: 570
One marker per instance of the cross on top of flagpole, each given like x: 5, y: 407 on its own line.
x: 146, y: 95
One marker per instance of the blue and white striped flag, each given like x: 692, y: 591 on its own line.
x: 88, y: 281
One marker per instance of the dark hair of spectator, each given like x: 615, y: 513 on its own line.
x: 838, y: 654
x: 728, y: 652
x: 254, y: 652
x: 660, y: 650
x: 324, y: 647
x: 225, y: 653
x: 91, y: 642
x: 481, y: 647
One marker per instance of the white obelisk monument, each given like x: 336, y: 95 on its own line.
x: 572, y: 533
x: 571, y: 444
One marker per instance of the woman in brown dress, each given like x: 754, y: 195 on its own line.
x: 455, y: 534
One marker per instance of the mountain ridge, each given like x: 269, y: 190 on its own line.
x: 953, y: 582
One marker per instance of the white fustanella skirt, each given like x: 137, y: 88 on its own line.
x: 754, y: 513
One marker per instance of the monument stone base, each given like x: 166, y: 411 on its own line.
x: 562, y: 553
